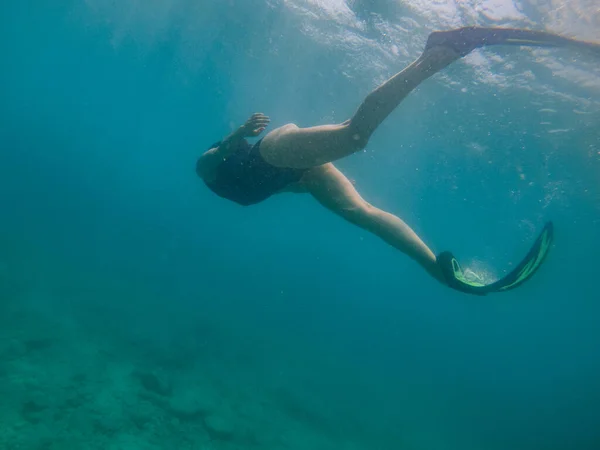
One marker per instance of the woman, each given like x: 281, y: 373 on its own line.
x: 293, y: 159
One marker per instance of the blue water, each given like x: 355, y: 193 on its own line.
x: 140, y: 311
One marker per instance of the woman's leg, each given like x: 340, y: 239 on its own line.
x: 290, y: 146
x: 334, y: 191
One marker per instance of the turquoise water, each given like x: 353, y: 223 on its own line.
x: 139, y: 311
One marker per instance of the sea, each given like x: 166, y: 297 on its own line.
x: 140, y: 311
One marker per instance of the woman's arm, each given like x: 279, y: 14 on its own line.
x: 210, y: 160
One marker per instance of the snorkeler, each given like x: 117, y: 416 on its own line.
x: 293, y: 159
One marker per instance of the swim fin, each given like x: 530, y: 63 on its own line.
x: 456, y: 279
x: 464, y: 40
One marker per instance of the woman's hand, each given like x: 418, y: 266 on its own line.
x: 255, y: 125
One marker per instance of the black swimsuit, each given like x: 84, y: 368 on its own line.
x: 246, y: 178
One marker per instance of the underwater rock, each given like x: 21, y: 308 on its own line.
x: 154, y: 382
x: 131, y: 442
x: 142, y: 414
x: 12, y: 349
x: 35, y: 405
x: 185, y: 408
x: 40, y: 436
x: 109, y: 423
x: 219, y: 426
x: 38, y: 344
x: 192, y: 402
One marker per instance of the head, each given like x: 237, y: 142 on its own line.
x: 199, y: 160
x: 239, y: 144
x: 214, y: 145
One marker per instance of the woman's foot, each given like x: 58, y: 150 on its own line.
x: 465, y: 40
x: 461, y: 40
x: 436, y: 58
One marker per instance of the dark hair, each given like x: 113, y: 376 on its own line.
x: 198, y: 167
x: 241, y: 143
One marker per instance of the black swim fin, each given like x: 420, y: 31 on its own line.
x: 464, y: 40
x: 522, y: 272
